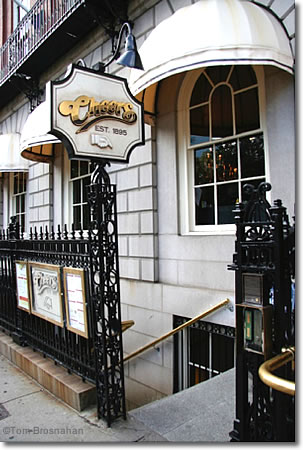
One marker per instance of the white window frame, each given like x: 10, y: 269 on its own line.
x: 186, y: 160
x: 12, y: 209
x: 68, y: 191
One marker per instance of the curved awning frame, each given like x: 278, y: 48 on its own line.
x: 209, y: 33
x: 36, y: 144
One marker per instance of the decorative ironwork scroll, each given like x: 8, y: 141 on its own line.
x: 68, y: 249
x: 105, y: 291
x: 264, y: 248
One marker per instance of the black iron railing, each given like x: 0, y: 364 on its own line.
x: 98, y: 354
x: 61, y: 248
x: 42, y: 20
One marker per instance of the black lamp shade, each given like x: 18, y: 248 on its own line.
x: 130, y: 57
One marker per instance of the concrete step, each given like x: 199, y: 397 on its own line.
x: 67, y: 387
x: 202, y: 413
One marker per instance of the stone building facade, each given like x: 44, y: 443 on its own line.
x: 173, y: 265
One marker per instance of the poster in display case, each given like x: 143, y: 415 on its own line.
x: 23, y: 300
x: 75, y: 301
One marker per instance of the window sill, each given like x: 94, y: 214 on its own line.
x: 216, y: 230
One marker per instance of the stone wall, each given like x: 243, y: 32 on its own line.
x: 162, y: 272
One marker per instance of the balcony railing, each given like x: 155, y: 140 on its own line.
x: 42, y: 20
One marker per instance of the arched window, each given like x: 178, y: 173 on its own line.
x: 225, y: 147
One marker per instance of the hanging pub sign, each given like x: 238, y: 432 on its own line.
x: 96, y: 116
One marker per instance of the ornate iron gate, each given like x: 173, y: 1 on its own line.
x: 264, y: 264
x: 98, y: 358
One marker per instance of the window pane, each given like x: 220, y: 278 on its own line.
x: 218, y: 74
x: 247, y: 111
x: 85, y: 217
x: 77, y: 191
x: 22, y: 203
x: 74, y: 169
x: 15, y: 183
x: 201, y: 91
x: 77, y: 217
x: 22, y: 221
x: 204, y: 166
x: 227, y: 197
x: 252, y: 156
x: 83, y: 167
x: 17, y: 205
x: 204, y: 200
x: 242, y: 77
x: 227, y: 161
x: 20, y: 182
x: 85, y: 183
x: 199, y: 125
x: 221, y: 113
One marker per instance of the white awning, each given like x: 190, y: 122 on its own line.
x: 36, y: 144
x: 208, y: 33
x: 10, y: 158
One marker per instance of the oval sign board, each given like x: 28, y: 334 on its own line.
x: 96, y: 116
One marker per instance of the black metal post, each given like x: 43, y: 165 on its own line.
x: 240, y: 430
x: 264, y: 248
x: 105, y: 291
x: 14, y: 236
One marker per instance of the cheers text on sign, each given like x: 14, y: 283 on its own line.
x: 44, y: 280
x: 92, y: 111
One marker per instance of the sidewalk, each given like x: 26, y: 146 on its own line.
x: 29, y: 413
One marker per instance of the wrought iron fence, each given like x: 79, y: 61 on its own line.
x: 43, y: 18
x: 62, y: 248
x: 97, y: 356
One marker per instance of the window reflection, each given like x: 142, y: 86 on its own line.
x: 226, y: 161
x: 252, y: 156
x: 228, y: 195
x: 204, y: 172
x: 204, y: 201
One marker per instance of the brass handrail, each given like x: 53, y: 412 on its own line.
x: 277, y: 383
x: 175, y: 330
x: 126, y: 324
